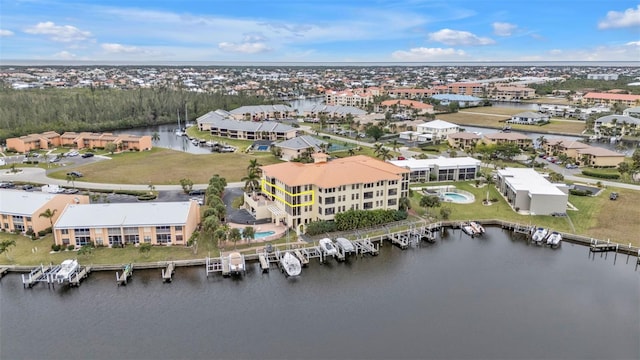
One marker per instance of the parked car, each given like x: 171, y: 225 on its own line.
x: 87, y: 155
x: 27, y: 187
x: 613, y: 196
x: 196, y: 192
x: 75, y: 173
x: 72, y: 153
x: 7, y: 185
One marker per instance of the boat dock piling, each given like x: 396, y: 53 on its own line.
x: 3, y: 271
x: 304, y: 260
x: 365, y: 246
x: 603, y: 247
x: 168, y: 272
x: 77, y: 277
x: 38, y: 274
x: 121, y: 279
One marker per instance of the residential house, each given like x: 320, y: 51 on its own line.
x: 500, y: 138
x: 463, y: 140
x: 245, y: 130
x: 598, y: 157
x: 466, y: 88
x: 610, y: 98
x: 20, y: 210
x: 263, y: 112
x: 528, y: 191
x: 82, y: 140
x: 204, y: 122
x: 440, y: 169
x: 633, y: 112
x: 32, y: 142
x: 528, y: 118
x: 339, y: 112
x: 510, y: 93
x: 616, y: 125
x: 462, y: 100
x: 294, y: 148
x: 117, y: 224
x: 562, y: 146
x: 296, y: 194
x: 439, y: 129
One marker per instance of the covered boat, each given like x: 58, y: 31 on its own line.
x: 290, y: 264
x: 328, y: 247
x: 236, y: 263
x: 477, y: 228
x: 345, y: 244
x: 540, y: 234
x: 554, y: 239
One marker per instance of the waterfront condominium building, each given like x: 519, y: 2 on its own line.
x: 157, y: 223
x: 295, y: 193
x: 528, y: 191
x: 20, y: 210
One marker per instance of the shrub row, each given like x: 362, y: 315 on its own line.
x: 600, y: 174
x: 580, y: 192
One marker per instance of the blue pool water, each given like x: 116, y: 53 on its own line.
x: 263, y: 234
x: 455, y: 197
x: 262, y: 148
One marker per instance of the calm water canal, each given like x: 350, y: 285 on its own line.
x: 496, y: 297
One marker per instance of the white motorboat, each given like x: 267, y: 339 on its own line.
x: 468, y: 229
x: 236, y: 263
x: 345, y: 244
x: 327, y: 247
x: 67, y: 269
x: 539, y: 235
x: 554, y: 239
x: 477, y: 228
x: 290, y: 264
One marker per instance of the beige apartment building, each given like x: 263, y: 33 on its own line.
x: 116, y: 224
x: 20, y: 210
x: 508, y: 93
x: 82, y: 140
x: 522, y: 141
x: 296, y: 194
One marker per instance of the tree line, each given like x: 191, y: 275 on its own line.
x: 100, y: 109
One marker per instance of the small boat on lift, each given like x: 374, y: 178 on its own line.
x: 539, y: 235
x: 67, y: 269
x: 327, y: 247
x: 477, y: 228
x: 290, y: 264
x: 236, y: 263
x: 554, y: 239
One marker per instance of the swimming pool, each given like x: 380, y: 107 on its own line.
x: 262, y: 148
x: 456, y: 198
x: 261, y: 234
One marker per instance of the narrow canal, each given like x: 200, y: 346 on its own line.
x: 491, y: 297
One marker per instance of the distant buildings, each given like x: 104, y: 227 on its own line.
x: 294, y: 148
x: 20, y: 210
x: 156, y: 223
x: 263, y: 112
x: 358, y: 97
x: 296, y: 193
x: 602, y: 76
x: 529, y: 118
x: 408, y: 108
x: 219, y: 124
x: 463, y: 140
x: 610, y: 98
x: 527, y: 190
x: 462, y: 100
x: 509, y: 93
x: 440, y: 169
x: 331, y: 111
x: 616, y: 125
x: 438, y: 129
x: 83, y: 140
x: 583, y: 154
x: 512, y: 138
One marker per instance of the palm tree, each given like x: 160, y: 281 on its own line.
x: 404, y: 204
x: 251, y: 181
x: 352, y: 152
x: 49, y: 214
x: 377, y: 148
x: 71, y: 177
x: 385, y: 154
x: 254, y: 166
x: 542, y: 141
x: 395, y: 145
x: 155, y: 136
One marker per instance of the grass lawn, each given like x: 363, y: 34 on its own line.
x: 495, y: 117
x: 595, y: 216
x: 166, y: 167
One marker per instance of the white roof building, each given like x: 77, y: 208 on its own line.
x: 439, y: 129
x: 440, y: 169
x: 527, y: 190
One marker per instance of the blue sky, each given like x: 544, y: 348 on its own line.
x: 329, y: 30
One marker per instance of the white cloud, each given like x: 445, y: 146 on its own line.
x: 616, y: 19
x: 245, y: 47
x: 6, y: 32
x: 427, y: 54
x: 64, y: 55
x: 633, y: 43
x: 455, y: 37
x: 114, y: 48
x: 503, y: 29
x: 62, y: 33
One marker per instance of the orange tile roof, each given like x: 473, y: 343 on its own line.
x: 345, y: 171
x: 506, y: 136
x: 608, y: 96
x: 407, y: 103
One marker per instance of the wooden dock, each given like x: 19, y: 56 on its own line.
x: 168, y: 272
x: 79, y: 276
x: 304, y: 260
x: 605, y: 247
x: 36, y: 275
x: 127, y: 271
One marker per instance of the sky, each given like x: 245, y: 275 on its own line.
x: 320, y: 31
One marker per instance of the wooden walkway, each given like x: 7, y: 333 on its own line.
x: 168, y: 272
x: 127, y: 272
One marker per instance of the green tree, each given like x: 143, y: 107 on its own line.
x: 187, y: 185
x: 445, y: 212
x: 85, y: 250
x: 234, y: 236
x: 395, y: 145
x: 5, y: 246
x: 144, y: 249
x: 49, y: 214
x: 251, y: 181
x: 111, y: 147
x: 377, y: 148
x: 375, y: 132
x: 155, y: 136
x: 254, y: 165
x: 249, y: 233
x: 430, y: 201
x: 71, y: 177
x: 404, y: 204
x: 385, y: 154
